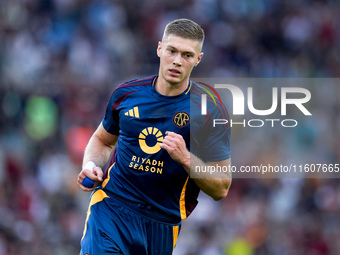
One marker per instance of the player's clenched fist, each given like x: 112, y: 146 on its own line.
x: 89, y: 178
x: 175, y: 145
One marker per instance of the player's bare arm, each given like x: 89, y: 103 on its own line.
x: 217, y: 188
x: 98, y: 151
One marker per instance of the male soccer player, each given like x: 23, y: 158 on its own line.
x: 159, y: 137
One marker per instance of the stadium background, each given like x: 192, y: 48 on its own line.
x: 59, y: 61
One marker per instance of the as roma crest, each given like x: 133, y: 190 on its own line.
x: 181, y: 119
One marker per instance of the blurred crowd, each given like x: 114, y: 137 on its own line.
x: 61, y: 59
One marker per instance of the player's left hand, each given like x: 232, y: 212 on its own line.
x: 175, y: 145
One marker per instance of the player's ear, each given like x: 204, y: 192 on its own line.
x: 159, y: 48
x: 199, y: 58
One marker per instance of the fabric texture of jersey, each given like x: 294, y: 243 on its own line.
x: 139, y: 170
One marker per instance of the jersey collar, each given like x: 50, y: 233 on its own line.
x: 171, y: 98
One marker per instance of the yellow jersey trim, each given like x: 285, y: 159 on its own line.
x: 182, y: 201
x: 175, y: 235
x: 189, y: 88
x: 108, y: 177
x: 98, y: 196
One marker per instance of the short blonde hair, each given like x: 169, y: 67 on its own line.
x: 184, y: 28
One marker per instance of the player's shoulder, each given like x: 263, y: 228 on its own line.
x: 134, y: 85
x: 199, y: 89
x: 205, y: 93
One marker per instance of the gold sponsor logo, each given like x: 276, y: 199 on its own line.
x: 146, y: 164
x: 149, y: 140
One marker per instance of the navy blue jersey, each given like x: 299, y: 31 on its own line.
x: 139, y: 170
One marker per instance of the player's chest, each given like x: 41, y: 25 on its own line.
x: 139, y: 118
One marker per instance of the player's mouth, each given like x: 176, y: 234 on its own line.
x: 174, y: 72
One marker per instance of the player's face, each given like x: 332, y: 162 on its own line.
x: 178, y: 56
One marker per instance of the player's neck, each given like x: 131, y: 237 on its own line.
x: 167, y: 89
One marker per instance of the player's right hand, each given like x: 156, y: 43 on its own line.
x: 96, y: 176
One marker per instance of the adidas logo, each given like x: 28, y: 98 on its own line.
x: 133, y: 112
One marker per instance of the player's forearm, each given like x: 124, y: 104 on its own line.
x: 216, y: 184
x: 97, y: 151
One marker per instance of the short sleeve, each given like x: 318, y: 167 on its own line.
x: 111, y: 117
x: 217, y: 143
x: 214, y: 134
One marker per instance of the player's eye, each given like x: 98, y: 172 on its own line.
x: 187, y: 56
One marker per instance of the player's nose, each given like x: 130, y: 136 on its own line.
x: 178, y: 60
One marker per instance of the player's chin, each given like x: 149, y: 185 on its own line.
x: 174, y: 79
